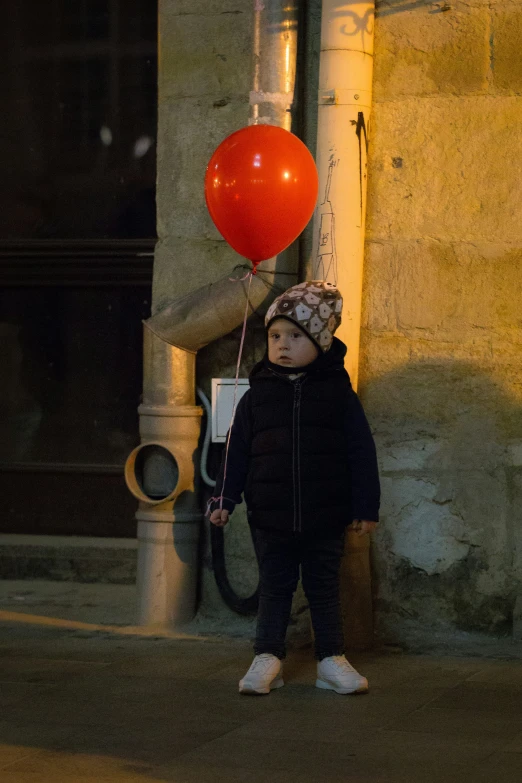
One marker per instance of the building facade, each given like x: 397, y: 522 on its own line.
x: 440, y: 372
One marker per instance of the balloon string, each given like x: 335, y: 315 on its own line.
x: 236, y: 384
x: 240, y: 279
x: 250, y: 272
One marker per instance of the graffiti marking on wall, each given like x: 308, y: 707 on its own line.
x: 326, y: 259
x: 360, y: 131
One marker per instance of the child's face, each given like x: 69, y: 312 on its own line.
x: 289, y: 346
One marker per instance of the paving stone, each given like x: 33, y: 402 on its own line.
x: 59, y: 765
x: 10, y: 754
x: 188, y: 667
x: 46, y: 670
x: 478, y: 697
x: 21, y: 742
x: 86, y: 709
x: 502, y: 674
x: 437, y: 678
x: 103, y: 759
x: 427, y: 748
x: 515, y: 745
x: 378, y: 709
x: 296, y: 756
x: 313, y: 760
x: 13, y: 692
x: 505, y: 767
x: 196, y: 771
x: 115, y: 776
x: 467, y: 723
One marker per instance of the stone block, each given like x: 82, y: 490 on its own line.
x: 205, y: 54
x: 515, y: 497
x: 438, y: 411
x: 68, y: 559
x: 506, y: 59
x: 517, y: 620
x: 446, y: 168
x: 451, y: 291
x: 515, y: 453
x: 443, y: 336
x: 415, y: 455
x: 443, y: 548
x: 421, y: 530
x: 379, y: 280
x: 380, y: 353
x: 190, y: 131
x: 418, y: 53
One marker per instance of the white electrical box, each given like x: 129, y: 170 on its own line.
x: 222, y: 404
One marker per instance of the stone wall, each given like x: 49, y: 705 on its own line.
x: 204, y: 81
x: 440, y: 375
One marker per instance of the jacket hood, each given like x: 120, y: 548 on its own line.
x: 331, y: 361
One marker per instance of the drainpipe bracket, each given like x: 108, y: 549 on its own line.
x: 276, y: 98
x: 342, y: 97
x: 171, y: 410
x: 167, y: 515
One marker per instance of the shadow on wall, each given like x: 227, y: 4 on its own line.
x: 448, y: 553
x: 388, y: 7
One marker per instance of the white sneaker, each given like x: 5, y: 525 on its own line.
x: 336, y: 674
x: 264, y: 674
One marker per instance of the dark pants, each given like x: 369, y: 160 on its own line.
x: 279, y: 556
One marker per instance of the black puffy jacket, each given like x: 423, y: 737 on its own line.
x: 301, y: 450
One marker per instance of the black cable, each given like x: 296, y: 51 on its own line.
x: 244, y: 606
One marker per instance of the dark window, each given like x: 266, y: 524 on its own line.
x: 77, y: 232
x: 79, y: 119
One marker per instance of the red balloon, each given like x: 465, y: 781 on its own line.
x: 261, y: 188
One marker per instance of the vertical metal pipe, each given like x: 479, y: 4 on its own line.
x: 169, y: 373
x: 272, y: 98
x: 275, y: 55
x: 344, y: 102
x: 168, y: 528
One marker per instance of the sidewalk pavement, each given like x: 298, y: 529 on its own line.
x: 96, y: 702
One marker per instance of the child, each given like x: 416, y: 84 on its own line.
x: 302, y: 452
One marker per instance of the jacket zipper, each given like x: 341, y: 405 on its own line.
x: 296, y: 455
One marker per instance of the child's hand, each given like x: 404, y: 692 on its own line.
x: 219, y: 517
x: 362, y: 526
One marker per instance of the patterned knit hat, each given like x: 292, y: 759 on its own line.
x: 315, y: 307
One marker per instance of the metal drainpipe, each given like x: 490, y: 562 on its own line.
x: 345, y: 95
x: 272, y: 98
x: 275, y: 58
x: 160, y: 472
x: 344, y: 102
